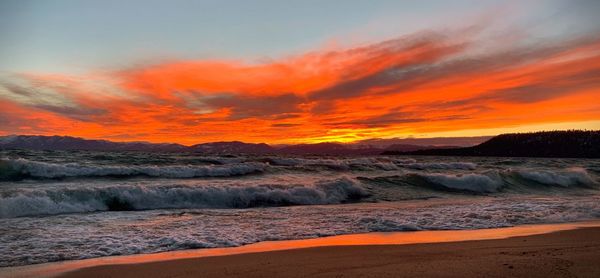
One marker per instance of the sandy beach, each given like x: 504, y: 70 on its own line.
x: 571, y: 253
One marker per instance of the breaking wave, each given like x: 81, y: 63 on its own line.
x: 493, y: 181
x: 19, y: 169
x: 566, y: 178
x: 30, y: 202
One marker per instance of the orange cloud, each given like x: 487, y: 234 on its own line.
x: 424, y: 83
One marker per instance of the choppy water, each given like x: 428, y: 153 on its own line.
x: 74, y: 205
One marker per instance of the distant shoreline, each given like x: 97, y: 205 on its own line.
x: 357, y: 246
x: 551, y: 144
x: 547, y: 144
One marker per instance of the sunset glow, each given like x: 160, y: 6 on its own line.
x: 464, y: 80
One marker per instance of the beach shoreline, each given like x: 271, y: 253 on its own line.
x: 357, y: 247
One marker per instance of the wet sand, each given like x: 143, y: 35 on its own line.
x: 567, y: 253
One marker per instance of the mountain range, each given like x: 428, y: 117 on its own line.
x: 368, y: 147
x: 572, y: 143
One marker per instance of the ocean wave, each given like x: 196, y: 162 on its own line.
x: 366, y: 163
x: 477, y: 183
x: 565, y: 178
x: 331, y: 164
x: 458, y: 183
x: 493, y: 181
x: 17, y: 169
x: 442, y: 165
x: 30, y: 202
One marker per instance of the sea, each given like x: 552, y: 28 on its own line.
x: 70, y: 205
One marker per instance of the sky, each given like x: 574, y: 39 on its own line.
x: 297, y: 71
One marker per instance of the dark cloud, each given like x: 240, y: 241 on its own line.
x: 49, y: 101
x: 242, y: 106
x: 387, y: 119
x: 18, y: 90
x: 323, y: 107
x: 285, y: 125
x: 524, y: 94
x: 403, y: 77
x: 401, y: 71
x: 77, y: 113
x: 286, y: 116
x: 395, y: 118
x: 547, y: 89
